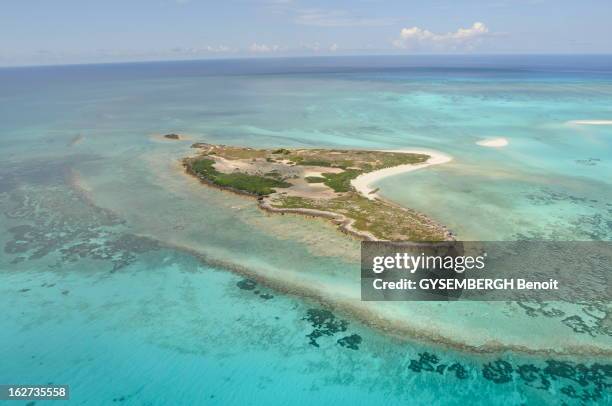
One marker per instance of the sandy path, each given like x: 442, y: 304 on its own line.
x: 363, y: 183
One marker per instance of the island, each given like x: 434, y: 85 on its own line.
x: 328, y: 183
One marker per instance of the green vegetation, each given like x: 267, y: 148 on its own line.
x: 314, y: 179
x: 314, y: 162
x: 204, y: 167
x: 253, y: 184
x: 365, y: 161
x: 259, y: 171
x: 396, y: 158
x: 345, y: 163
x: 300, y: 160
x: 379, y: 218
x: 257, y: 185
x: 239, y: 153
x: 281, y: 151
x: 274, y: 174
x: 341, y: 182
x: 295, y: 202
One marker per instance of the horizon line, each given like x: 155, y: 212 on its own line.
x: 280, y: 57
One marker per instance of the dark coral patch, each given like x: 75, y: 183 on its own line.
x: 428, y: 362
x: 533, y: 376
x: 324, y: 323
x: 459, y: 370
x: 351, y: 341
x: 540, y: 309
x: 588, y: 161
x: 246, y: 284
x: 593, y: 380
x: 62, y: 221
x: 585, y: 383
x: 498, y: 371
x: 577, y: 324
x: 578, y: 381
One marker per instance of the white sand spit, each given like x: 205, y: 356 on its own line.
x: 363, y: 183
x: 589, y: 122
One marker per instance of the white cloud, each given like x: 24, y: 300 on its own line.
x: 316, y: 47
x: 204, y: 50
x: 338, y: 18
x: 416, y: 38
x: 218, y: 48
x: 263, y: 48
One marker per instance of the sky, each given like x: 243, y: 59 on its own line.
x: 35, y: 32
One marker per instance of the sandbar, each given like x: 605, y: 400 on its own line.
x: 493, y: 142
x: 589, y: 122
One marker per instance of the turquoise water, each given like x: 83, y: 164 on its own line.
x: 126, y: 279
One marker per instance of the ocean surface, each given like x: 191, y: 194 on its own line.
x: 129, y: 281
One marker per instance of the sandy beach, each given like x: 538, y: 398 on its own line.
x: 363, y: 183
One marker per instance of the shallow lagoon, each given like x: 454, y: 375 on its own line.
x: 138, y: 253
